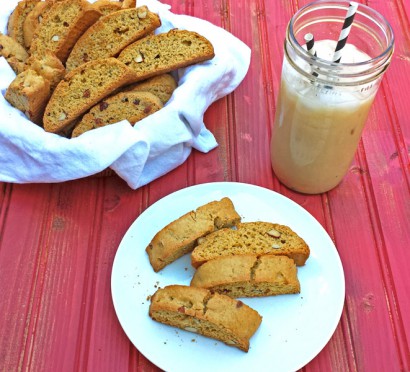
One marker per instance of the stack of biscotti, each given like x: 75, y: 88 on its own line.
x: 252, y: 259
x: 68, y: 43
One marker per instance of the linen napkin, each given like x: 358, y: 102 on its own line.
x: 139, y: 154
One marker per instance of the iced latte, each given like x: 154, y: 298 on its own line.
x: 321, y: 110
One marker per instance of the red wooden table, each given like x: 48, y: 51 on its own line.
x: 58, y: 241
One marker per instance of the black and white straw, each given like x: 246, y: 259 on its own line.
x: 310, y: 46
x: 347, y: 25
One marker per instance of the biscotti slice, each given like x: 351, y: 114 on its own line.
x: 161, y: 53
x: 131, y: 106
x: 204, y: 312
x: 252, y: 238
x: 180, y: 236
x: 248, y: 276
x: 17, y: 17
x: 29, y: 92
x: 81, y: 89
x: 48, y: 66
x: 108, y: 6
x: 33, y: 19
x: 13, y: 52
x: 162, y: 86
x: 62, y: 26
x: 111, y: 34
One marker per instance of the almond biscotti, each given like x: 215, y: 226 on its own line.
x: 248, y: 276
x: 204, y: 312
x: 62, y: 26
x: 81, y: 89
x: 111, y: 34
x: 162, y: 86
x: 29, y: 92
x: 48, y: 66
x: 180, y: 236
x: 161, y: 53
x: 252, y: 238
x: 109, y: 6
x: 13, y: 52
x: 33, y: 19
x: 131, y: 106
x: 17, y: 17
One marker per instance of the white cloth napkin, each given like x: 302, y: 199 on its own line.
x: 138, y: 154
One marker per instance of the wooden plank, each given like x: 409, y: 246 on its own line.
x: 22, y: 223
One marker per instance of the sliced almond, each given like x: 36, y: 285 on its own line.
x: 138, y: 58
x: 191, y: 329
x: 142, y: 13
x: 274, y: 233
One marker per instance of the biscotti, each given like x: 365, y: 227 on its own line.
x: 48, y: 66
x: 17, y: 17
x: 62, y: 26
x: 131, y: 106
x: 162, y: 86
x: 33, y: 19
x: 29, y: 92
x: 13, y: 52
x: 109, y: 6
x: 204, y: 312
x: 252, y: 238
x: 111, y: 34
x: 158, y: 54
x: 81, y: 89
x: 180, y: 236
x: 248, y: 276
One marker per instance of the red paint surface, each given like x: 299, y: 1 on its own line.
x: 58, y: 241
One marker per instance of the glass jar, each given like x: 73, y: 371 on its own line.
x: 322, y: 105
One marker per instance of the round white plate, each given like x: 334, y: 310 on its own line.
x: 294, y: 328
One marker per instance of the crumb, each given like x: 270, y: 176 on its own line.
x: 193, y: 340
x: 149, y: 298
x: 186, y: 269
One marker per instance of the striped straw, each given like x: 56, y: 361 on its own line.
x: 310, y: 46
x: 347, y: 25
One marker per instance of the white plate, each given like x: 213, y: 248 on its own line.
x: 294, y: 328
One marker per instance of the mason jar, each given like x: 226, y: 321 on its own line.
x: 323, y: 105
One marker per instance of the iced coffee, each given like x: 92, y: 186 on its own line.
x: 321, y: 111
